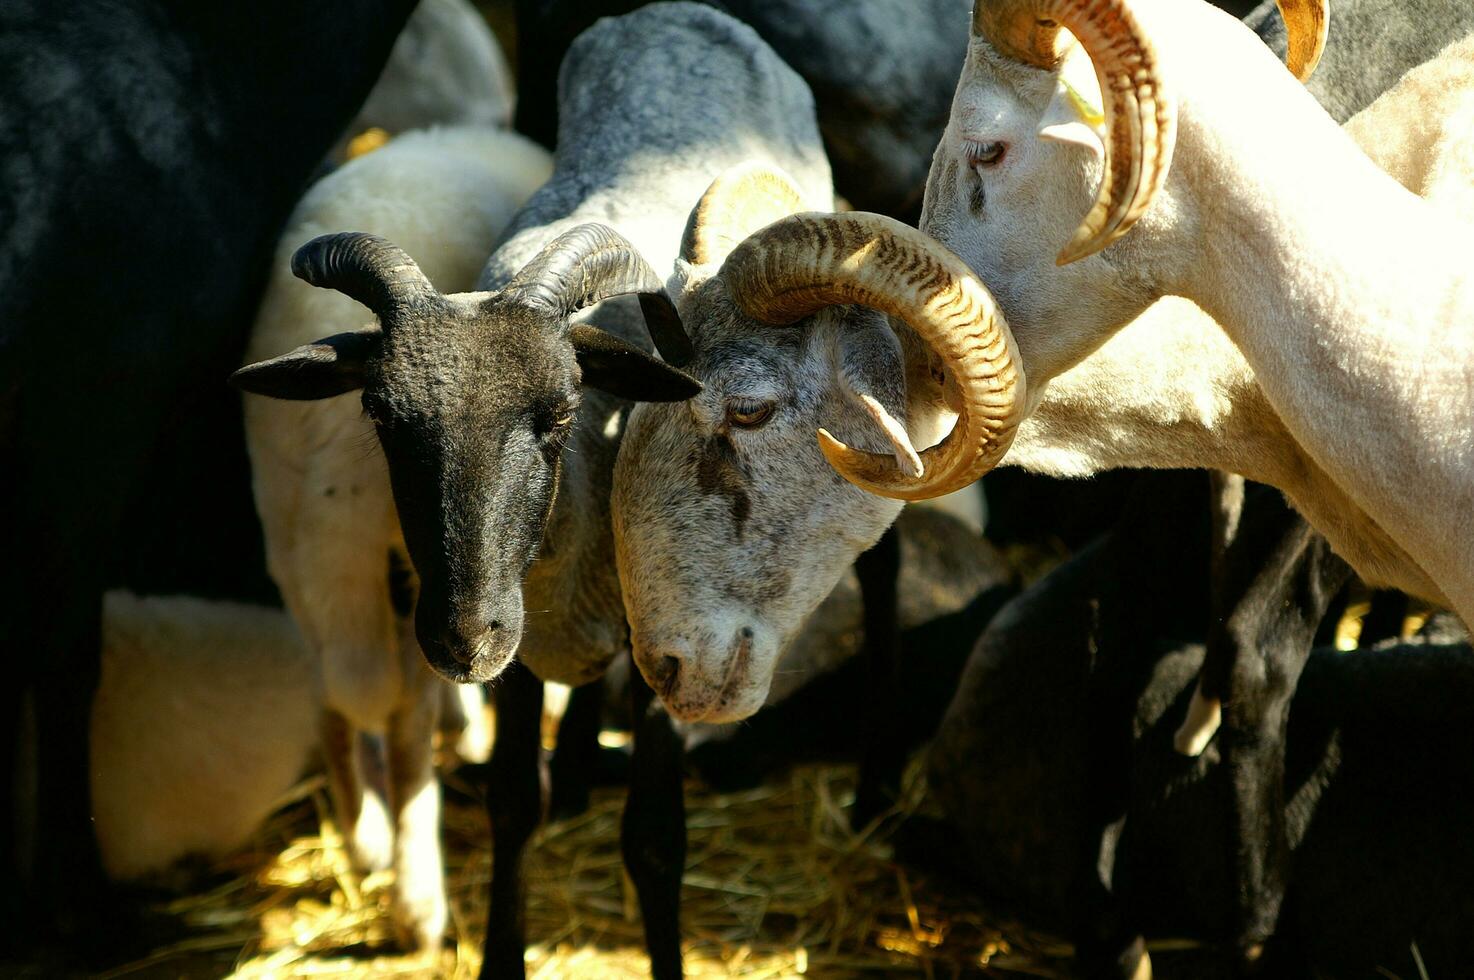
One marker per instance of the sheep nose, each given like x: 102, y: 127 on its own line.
x: 664, y: 674
x: 661, y: 664
x: 466, y: 643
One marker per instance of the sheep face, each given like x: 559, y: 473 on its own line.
x: 1015, y: 171
x: 472, y: 408
x: 473, y: 396
x: 730, y: 527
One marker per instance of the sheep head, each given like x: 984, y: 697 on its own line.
x: 473, y: 396
x: 730, y: 526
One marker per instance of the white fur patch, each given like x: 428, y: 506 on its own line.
x: 1203, y: 718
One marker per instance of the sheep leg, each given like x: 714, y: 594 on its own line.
x: 882, y: 754
x: 653, y: 830
x: 1107, y: 947
x: 360, y: 814
x: 514, y: 804
x: 419, y: 907
x: 571, y: 770
x: 1273, y: 580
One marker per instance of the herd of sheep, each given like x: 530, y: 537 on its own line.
x: 618, y: 396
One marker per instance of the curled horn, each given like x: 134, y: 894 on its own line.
x: 803, y: 263
x: 1307, y: 24
x: 591, y: 263
x: 1140, y: 118
x: 377, y: 273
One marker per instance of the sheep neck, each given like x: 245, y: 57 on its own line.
x: 1343, y: 292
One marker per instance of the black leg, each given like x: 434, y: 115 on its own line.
x: 1274, y: 578
x: 653, y: 832
x: 1158, y: 551
x: 571, y: 770
x: 514, y: 803
x: 883, y: 754
x: 1107, y: 947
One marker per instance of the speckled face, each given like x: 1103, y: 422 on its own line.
x: 730, y: 527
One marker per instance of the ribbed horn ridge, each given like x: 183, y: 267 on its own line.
x: 805, y: 262
x: 375, y: 272
x: 1307, y: 24
x: 591, y: 263
x: 739, y: 202
x: 1140, y: 118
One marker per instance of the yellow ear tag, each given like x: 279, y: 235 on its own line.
x: 1074, y: 114
x: 366, y: 142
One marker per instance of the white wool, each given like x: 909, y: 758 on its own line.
x: 1348, y: 297
x: 204, y: 717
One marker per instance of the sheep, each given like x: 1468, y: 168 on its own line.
x: 203, y: 720
x: 989, y: 112
x: 882, y: 94
x: 1378, y: 825
x: 324, y: 498
x: 151, y: 154
x: 799, y: 527
x: 473, y: 464
x: 446, y: 69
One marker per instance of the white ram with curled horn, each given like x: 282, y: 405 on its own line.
x: 1222, y: 181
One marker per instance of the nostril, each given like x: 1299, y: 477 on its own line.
x: 663, y: 675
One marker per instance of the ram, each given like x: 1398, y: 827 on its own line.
x: 1056, y: 331
x: 1193, y: 400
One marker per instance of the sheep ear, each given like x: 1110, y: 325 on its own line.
x: 869, y: 372
x: 322, y: 369
x: 609, y: 364
x: 1074, y: 114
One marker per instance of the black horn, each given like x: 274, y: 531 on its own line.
x: 591, y: 263
x: 377, y: 273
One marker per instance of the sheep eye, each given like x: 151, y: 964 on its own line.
x: 988, y: 154
x: 749, y: 415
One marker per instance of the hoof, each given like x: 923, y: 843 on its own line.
x: 419, y: 920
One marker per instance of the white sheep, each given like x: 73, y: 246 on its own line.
x: 322, y: 487
x: 203, y: 720
x: 1347, y: 295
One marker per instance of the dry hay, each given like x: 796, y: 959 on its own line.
x: 776, y: 885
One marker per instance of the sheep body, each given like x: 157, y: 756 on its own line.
x: 323, y: 494
x: 1378, y: 826
x: 1195, y: 401
x: 203, y: 720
